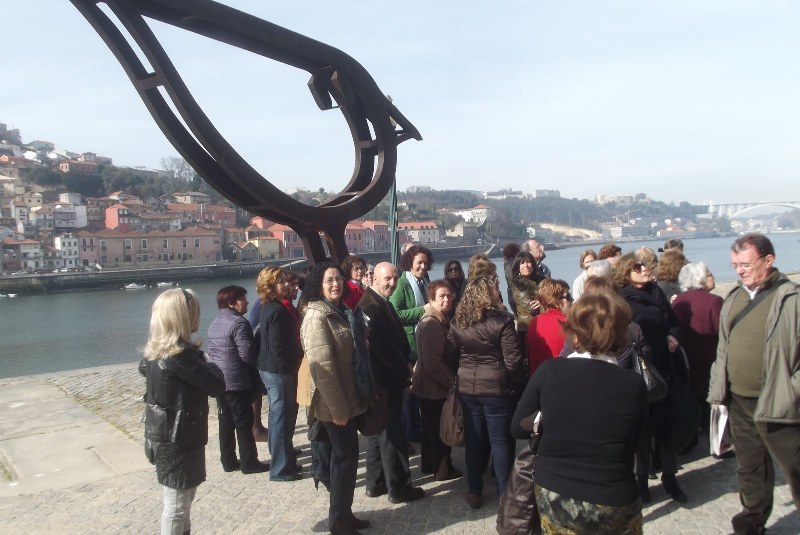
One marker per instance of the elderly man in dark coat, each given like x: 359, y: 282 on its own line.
x: 387, y: 453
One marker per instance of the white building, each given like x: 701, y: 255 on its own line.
x: 68, y: 245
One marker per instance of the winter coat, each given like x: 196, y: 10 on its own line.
x: 328, y: 344
x: 434, y: 371
x: 779, y: 401
x: 176, y: 414
x: 698, y: 316
x: 404, y: 303
x: 653, y: 313
x: 280, y: 350
x: 490, y: 361
x: 388, y: 345
x: 231, y: 346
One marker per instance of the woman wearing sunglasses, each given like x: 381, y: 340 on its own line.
x: 653, y: 313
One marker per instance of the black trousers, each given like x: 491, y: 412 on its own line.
x: 435, y: 454
x: 754, y: 442
x: 235, y: 412
x: 387, y: 453
x: 343, y: 468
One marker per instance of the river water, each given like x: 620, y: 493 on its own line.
x: 71, y: 330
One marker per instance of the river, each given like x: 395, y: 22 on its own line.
x: 81, y: 329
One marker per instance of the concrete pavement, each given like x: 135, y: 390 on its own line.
x: 70, y: 448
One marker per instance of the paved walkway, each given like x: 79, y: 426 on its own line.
x: 71, y: 454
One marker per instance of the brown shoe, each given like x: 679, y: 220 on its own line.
x: 474, y: 501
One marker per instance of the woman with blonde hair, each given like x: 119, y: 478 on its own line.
x: 584, y: 466
x: 278, y: 362
x: 491, y: 373
x: 179, y: 381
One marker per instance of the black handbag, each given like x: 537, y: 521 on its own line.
x: 517, y: 513
x: 653, y: 380
x: 373, y: 421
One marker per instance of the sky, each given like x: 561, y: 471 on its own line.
x: 690, y: 100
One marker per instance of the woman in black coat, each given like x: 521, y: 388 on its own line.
x: 653, y: 313
x: 179, y: 382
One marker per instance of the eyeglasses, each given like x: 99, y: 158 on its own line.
x: 453, y: 269
x: 638, y: 267
x: 332, y: 280
x: 746, y: 266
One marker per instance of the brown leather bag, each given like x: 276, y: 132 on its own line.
x: 517, y: 513
x: 451, y: 426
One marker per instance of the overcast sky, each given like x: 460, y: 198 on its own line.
x: 686, y: 100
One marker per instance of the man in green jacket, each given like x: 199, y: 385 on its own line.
x: 757, y: 373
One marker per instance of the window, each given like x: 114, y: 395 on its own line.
x: 184, y: 243
x: 128, y: 245
x: 164, y: 244
x: 144, y: 244
x: 196, y: 242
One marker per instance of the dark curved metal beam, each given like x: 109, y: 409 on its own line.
x: 337, y: 80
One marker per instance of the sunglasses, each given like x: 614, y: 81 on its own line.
x: 639, y: 266
x: 453, y: 270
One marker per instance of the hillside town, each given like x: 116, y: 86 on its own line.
x: 46, y: 226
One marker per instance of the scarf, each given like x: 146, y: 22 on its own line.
x: 362, y: 369
x: 419, y: 299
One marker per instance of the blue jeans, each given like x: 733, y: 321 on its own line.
x: 487, y: 422
x: 282, y: 396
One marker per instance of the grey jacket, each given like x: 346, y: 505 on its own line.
x: 231, y: 346
x: 779, y: 401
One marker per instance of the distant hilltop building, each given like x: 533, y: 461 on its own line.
x: 503, y: 194
x: 478, y: 214
x: 554, y: 193
x: 606, y: 198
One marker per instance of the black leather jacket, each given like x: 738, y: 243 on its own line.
x: 176, y: 398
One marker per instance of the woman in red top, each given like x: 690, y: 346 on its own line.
x: 545, y: 334
x: 354, y: 267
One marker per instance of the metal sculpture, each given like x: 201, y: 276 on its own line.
x: 376, y: 125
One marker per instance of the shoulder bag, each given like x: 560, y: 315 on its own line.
x: 517, y: 513
x: 655, y: 383
x: 451, y: 427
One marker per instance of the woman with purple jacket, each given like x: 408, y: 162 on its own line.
x: 231, y: 347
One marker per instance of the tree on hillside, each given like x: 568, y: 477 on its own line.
x: 179, y: 170
x: 43, y: 176
x: 88, y: 185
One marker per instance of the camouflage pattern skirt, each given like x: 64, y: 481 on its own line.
x: 561, y: 515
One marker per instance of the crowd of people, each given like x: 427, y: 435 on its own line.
x: 387, y: 343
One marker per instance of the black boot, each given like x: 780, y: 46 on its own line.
x: 672, y: 488
x: 642, y: 482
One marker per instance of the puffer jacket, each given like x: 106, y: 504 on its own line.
x: 231, y: 346
x: 490, y: 361
x: 176, y: 398
x: 328, y: 345
x: 779, y: 401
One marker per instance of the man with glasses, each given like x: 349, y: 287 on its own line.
x: 757, y: 373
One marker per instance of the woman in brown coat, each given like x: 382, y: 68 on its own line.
x: 433, y: 376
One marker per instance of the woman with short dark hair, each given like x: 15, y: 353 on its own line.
x: 231, y: 346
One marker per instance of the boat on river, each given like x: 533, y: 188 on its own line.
x: 135, y: 286
x: 166, y: 284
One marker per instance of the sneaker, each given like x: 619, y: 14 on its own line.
x: 378, y: 490
x: 410, y: 494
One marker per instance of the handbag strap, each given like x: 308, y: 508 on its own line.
x: 760, y: 296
